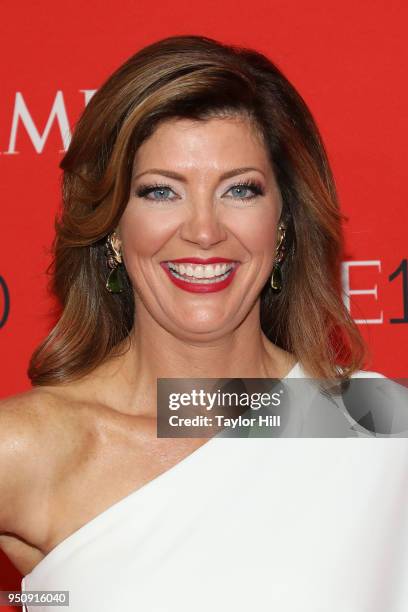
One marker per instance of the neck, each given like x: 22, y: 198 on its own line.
x: 128, y: 382
x: 156, y: 353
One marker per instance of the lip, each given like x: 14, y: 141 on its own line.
x: 200, y: 287
x: 199, y: 260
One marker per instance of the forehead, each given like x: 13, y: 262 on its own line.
x: 211, y: 143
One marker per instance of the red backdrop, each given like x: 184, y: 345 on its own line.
x: 348, y: 60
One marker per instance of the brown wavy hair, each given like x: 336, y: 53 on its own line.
x: 198, y: 78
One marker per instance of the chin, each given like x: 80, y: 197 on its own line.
x: 200, y: 330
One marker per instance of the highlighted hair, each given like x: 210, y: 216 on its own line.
x: 198, y: 78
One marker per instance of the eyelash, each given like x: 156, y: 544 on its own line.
x: 256, y: 187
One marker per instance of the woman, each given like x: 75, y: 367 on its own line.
x: 200, y: 237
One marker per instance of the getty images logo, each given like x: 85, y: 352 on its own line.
x: 22, y: 117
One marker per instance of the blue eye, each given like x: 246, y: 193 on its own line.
x: 145, y: 190
x: 244, y: 187
x: 240, y: 189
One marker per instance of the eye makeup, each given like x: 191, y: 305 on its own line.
x: 250, y: 184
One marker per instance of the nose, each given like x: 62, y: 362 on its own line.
x: 203, y: 227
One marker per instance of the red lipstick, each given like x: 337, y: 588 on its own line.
x: 201, y: 287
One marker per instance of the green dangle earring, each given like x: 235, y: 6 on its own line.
x: 114, y: 282
x: 276, y: 278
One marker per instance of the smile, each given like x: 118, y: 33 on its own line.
x: 200, y: 278
x: 200, y: 273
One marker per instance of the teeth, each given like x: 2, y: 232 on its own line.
x: 199, y: 271
x: 210, y: 271
x: 193, y: 280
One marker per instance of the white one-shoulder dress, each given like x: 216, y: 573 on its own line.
x: 248, y: 525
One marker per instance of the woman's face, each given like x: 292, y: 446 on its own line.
x: 200, y: 190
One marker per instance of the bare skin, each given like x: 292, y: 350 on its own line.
x: 79, y: 447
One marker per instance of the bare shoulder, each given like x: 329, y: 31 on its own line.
x: 28, y: 419
x: 38, y: 416
x: 22, y: 456
x: 25, y: 412
x: 36, y: 435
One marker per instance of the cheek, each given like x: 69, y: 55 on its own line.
x: 145, y: 231
x: 256, y: 231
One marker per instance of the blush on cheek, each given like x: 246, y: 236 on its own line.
x: 257, y: 234
x: 145, y: 231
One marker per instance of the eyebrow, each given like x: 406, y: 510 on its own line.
x: 180, y: 177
